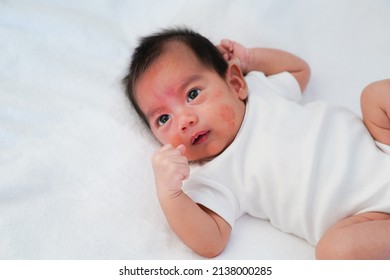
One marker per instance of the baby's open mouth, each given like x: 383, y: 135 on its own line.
x: 199, y: 137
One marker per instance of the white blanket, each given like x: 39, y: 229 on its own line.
x: 75, y: 175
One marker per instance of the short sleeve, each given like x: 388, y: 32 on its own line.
x: 214, y: 196
x: 284, y: 84
x: 385, y: 148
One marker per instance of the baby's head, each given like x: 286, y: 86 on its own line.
x: 186, y: 92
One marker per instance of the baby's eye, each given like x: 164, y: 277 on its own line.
x: 193, y: 94
x: 163, y: 119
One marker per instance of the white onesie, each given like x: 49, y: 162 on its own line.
x: 302, y: 167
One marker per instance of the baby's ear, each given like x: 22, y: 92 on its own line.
x: 236, y: 80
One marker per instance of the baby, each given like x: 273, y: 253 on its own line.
x: 230, y: 114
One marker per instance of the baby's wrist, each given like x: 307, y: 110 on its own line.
x: 165, y: 194
x: 247, y: 64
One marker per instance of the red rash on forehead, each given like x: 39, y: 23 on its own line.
x: 163, y: 95
x: 169, y: 92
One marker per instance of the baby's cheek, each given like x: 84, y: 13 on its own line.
x: 214, y: 148
x: 227, y: 115
x: 175, y: 141
x: 164, y: 139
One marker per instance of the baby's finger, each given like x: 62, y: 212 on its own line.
x: 181, y: 148
x: 222, y: 50
x: 227, y: 57
x: 166, y: 147
x: 227, y: 44
x: 184, y: 171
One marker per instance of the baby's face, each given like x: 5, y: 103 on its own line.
x: 190, y: 104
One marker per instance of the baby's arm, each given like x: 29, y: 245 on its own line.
x: 201, y: 229
x: 375, y: 103
x: 268, y: 61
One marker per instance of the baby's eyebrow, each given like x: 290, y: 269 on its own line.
x: 152, y: 112
x: 190, y: 80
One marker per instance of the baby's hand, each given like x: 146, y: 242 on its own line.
x: 170, y: 168
x: 233, y: 51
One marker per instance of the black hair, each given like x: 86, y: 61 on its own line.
x: 152, y: 47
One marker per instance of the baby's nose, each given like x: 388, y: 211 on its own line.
x: 187, y: 121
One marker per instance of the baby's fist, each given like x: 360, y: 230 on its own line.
x: 235, y: 52
x: 170, y: 168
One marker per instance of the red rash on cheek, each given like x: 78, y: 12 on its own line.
x: 228, y: 115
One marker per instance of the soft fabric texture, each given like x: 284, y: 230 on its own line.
x: 75, y: 174
x: 302, y: 167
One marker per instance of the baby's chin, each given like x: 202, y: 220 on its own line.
x: 211, y: 151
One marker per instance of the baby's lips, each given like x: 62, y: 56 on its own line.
x: 199, y: 137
